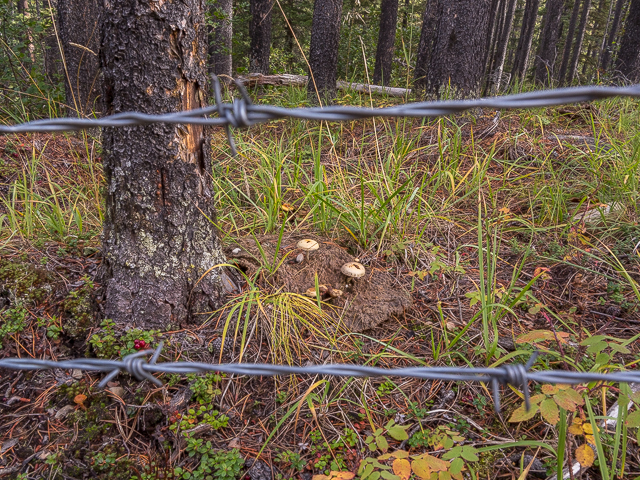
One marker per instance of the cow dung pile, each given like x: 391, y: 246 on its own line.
x: 364, y: 303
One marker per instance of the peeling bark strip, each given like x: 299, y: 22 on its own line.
x: 158, y: 240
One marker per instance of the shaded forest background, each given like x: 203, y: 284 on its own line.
x: 393, y: 42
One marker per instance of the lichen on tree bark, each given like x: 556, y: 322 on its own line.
x: 159, y: 242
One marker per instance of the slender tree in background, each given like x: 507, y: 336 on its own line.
x: 159, y: 241
x: 260, y: 36
x: 523, y: 49
x: 628, y: 62
x: 613, y: 31
x: 568, y: 44
x: 79, y: 30
x: 386, y: 42
x: 221, y: 38
x: 427, y: 40
x: 502, y: 44
x: 22, y: 6
x: 496, y: 21
x: 457, y: 59
x: 547, y: 47
x: 323, y: 54
x: 577, y: 48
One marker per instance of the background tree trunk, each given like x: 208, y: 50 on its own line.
x: 547, y: 48
x: 494, y: 15
x: 428, y: 36
x: 615, y: 26
x: 158, y: 243
x: 323, y: 54
x: 458, y: 54
x: 503, y: 42
x: 523, y: 50
x: 260, y: 35
x: 220, y: 38
x: 386, y: 42
x: 79, y: 30
x: 577, y: 48
x: 566, y: 54
x: 628, y: 61
x: 22, y: 6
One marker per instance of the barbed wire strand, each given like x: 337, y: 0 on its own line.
x: 242, y: 112
x: 517, y: 375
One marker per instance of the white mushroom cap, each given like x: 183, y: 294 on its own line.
x: 308, y: 245
x: 353, y: 269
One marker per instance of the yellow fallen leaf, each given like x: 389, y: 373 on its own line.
x: 402, y: 468
x: 585, y: 455
x: 342, y: 475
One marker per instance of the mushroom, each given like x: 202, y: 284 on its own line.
x: 353, y: 270
x: 311, y: 291
x: 307, y: 246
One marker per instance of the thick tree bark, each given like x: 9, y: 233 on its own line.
x: 547, y: 49
x: 428, y: 37
x: 323, y: 54
x: 79, y: 30
x: 523, y: 50
x: 615, y: 26
x: 566, y: 54
x: 220, y: 38
x: 503, y: 42
x: 160, y: 241
x: 577, y: 48
x: 260, y: 35
x: 386, y: 42
x: 458, y: 51
x: 628, y: 62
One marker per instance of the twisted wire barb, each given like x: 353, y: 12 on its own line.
x: 242, y: 112
x: 517, y: 375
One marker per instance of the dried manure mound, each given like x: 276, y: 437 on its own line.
x: 365, y: 302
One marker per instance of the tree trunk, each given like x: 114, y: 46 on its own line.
x: 428, y: 36
x: 220, y: 39
x: 577, y: 48
x: 491, y: 32
x: 79, y: 30
x: 503, y: 42
x: 526, y: 38
x: 160, y: 243
x: 628, y: 61
x: 458, y: 51
x: 386, y: 42
x: 22, y: 6
x: 547, y: 49
x: 260, y: 34
x: 615, y: 26
x: 495, y: 29
x: 566, y: 54
x: 323, y: 54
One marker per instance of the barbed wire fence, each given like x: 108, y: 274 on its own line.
x: 242, y: 112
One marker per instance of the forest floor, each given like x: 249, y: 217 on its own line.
x: 510, y: 235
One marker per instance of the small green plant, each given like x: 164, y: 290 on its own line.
x: 291, y: 459
x: 386, y: 388
x: 205, y: 414
x: 204, y: 387
x: 12, y: 320
x: 214, y: 465
x: 377, y: 441
x: 106, y: 343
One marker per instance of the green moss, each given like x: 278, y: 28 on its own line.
x: 26, y: 282
x: 77, y: 307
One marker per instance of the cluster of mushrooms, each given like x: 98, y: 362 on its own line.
x: 352, y: 270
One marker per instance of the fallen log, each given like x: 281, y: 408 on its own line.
x: 255, y: 79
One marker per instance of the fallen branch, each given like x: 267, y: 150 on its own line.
x: 255, y: 79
